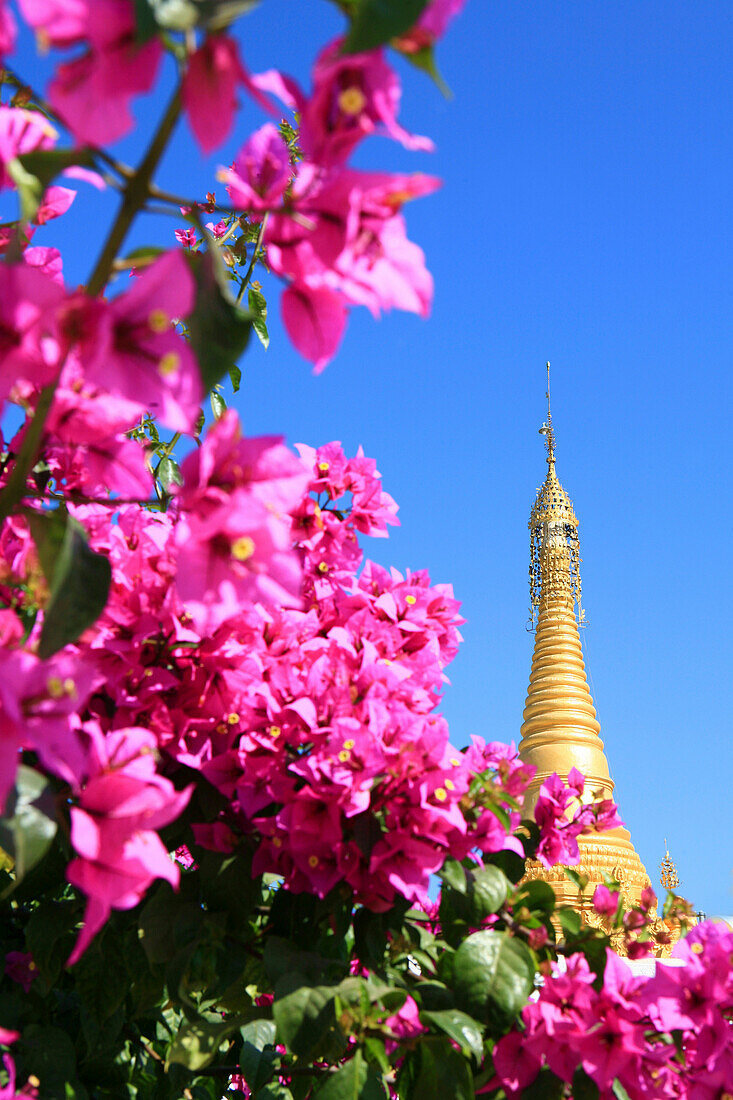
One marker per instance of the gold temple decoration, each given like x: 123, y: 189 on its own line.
x: 560, y: 729
x: 553, y: 507
x: 668, y: 878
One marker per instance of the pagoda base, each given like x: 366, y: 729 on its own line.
x: 613, y: 854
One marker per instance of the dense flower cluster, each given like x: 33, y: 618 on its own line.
x: 623, y: 1032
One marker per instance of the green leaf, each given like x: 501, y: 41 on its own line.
x: 282, y: 958
x: 274, y: 1091
x: 487, y: 889
x: 144, y: 256
x: 459, y: 1027
x: 377, y: 21
x: 258, y: 310
x: 569, y: 921
x: 493, y: 976
x: 218, y: 404
x: 619, y: 1091
x: 584, y: 1087
x: 424, y: 60
x: 78, y: 579
x: 30, y: 189
x: 510, y: 863
x: 197, y: 1041
x: 256, y: 1062
x: 50, y: 1054
x: 537, y: 896
x: 146, y: 26
x: 169, y: 473
x: 546, y: 1086
x: 259, y: 1033
x: 29, y: 825
x: 33, y: 172
x: 304, y: 1014
x: 235, y: 377
x: 354, y: 1081
x: 49, y: 936
x: 442, y: 1073
x: 219, y: 329
x: 453, y: 875
x: 580, y: 880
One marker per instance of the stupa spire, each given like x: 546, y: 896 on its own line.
x: 560, y: 729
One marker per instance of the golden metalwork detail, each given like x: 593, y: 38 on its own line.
x: 560, y: 730
x: 668, y: 878
x: 554, y: 550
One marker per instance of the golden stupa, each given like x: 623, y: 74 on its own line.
x: 560, y: 729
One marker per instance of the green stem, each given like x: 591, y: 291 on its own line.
x: 14, y: 490
x: 137, y: 191
x: 253, y: 261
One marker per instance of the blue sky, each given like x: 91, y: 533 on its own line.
x: 585, y: 218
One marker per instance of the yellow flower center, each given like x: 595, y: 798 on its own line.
x: 233, y: 718
x: 352, y: 101
x: 221, y: 727
x: 440, y: 794
x: 274, y: 731
x: 455, y: 762
x: 243, y: 548
x: 169, y: 363
x: 696, y: 948
x: 312, y: 861
x: 344, y: 755
x: 411, y: 600
x: 323, y: 467
x: 322, y: 567
x: 158, y: 321
x: 450, y: 785
x: 277, y: 842
x: 350, y: 743
x: 55, y: 687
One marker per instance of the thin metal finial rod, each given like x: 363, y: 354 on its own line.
x: 547, y: 429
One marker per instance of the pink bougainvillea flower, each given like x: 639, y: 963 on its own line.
x: 353, y: 95
x: 186, y: 237
x: 349, y: 235
x: 261, y: 171
x: 47, y: 260
x: 29, y: 349
x: 20, y: 968
x: 92, y: 92
x: 235, y: 531
x: 315, y: 319
x: 209, y: 90
x: 22, y: 131
x: 131, y: 348
x: 56, y: 22
x: 55, y: 202
x: 8, y: 29
x: 605, y: 901
x: 120, y: 806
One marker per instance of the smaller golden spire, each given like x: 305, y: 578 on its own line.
x: 668, y: 878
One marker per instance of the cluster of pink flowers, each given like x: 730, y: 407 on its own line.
x: 335, y: 235
x: 623, y: 1031
x: 562, y: 817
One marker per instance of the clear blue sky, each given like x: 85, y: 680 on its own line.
x: 585, y: 218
